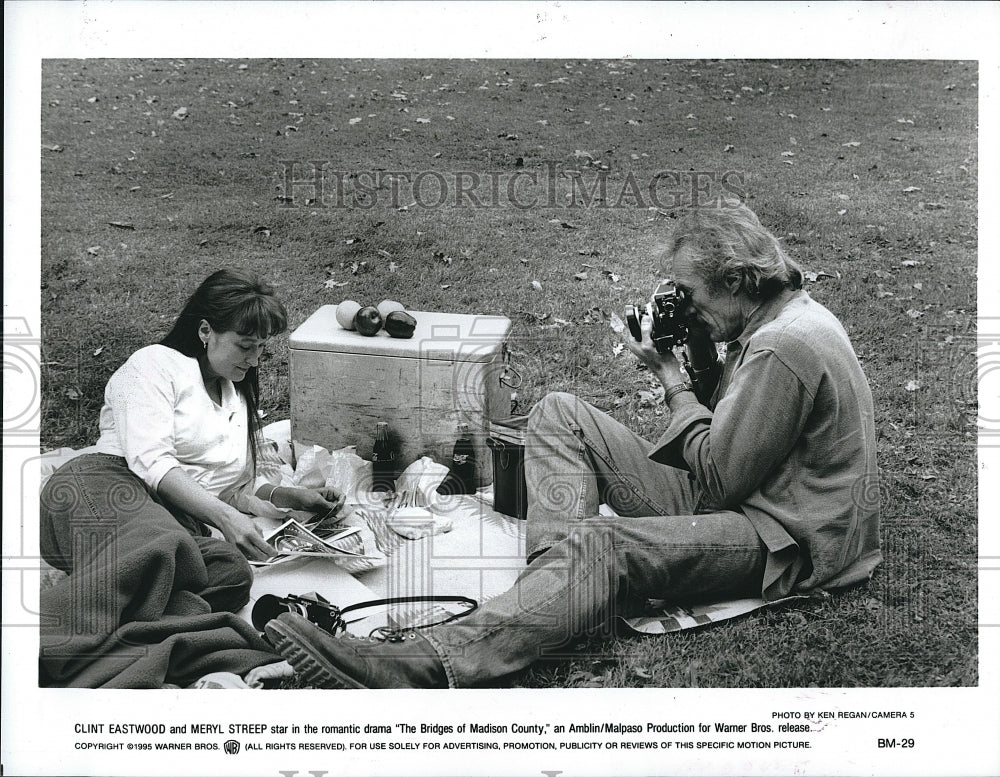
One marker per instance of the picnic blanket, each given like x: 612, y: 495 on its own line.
x: 137, y: 622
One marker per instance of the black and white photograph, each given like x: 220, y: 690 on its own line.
x: 595, y: 387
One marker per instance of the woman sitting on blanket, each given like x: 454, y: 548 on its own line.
x: 178, y: 453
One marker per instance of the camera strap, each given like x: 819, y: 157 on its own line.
x: 331, y: 618
x: 390, y: 634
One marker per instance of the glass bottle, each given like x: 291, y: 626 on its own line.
x: 461, y: 478
x: 383, y: 460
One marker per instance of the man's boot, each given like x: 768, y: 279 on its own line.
x: 351, y: 662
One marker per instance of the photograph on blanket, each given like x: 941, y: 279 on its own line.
x: 642, y: 376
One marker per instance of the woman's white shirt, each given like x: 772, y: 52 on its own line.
x: 158, y: 415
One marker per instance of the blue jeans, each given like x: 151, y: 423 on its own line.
x: 582, y: 566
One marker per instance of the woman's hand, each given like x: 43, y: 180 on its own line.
x: 663, y: 365
x: 241, y: 531
x: 313, y: 500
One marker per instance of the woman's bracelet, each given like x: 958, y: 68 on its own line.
x: 270, y: 494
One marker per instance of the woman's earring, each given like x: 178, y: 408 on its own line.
x: 205, y: 343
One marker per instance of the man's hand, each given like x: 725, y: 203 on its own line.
x: 663, y: 365
x: 701, y: 350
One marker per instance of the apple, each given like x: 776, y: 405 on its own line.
x: 368, y: 321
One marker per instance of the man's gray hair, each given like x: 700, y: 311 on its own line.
x: 729, y: 243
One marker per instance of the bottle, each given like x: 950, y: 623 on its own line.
x: 461, y: 477
x: 383, y: 460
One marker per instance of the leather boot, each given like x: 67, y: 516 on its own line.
x: 354, y: 662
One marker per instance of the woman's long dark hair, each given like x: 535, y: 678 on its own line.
x: 231, y: 301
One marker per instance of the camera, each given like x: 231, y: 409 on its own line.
x: 667, y: 307
x: 311, y: 606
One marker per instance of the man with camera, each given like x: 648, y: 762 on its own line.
x: 764, y: 482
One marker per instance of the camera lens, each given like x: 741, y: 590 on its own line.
x: 268, y: 607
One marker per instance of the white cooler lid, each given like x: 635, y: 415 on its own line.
x: 440, y: 336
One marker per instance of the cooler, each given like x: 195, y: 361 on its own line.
x: 451, y: 371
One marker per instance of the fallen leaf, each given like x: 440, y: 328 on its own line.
x: 265, y: 231
x: 54, y: 147
x: 729, y: 147
x: 935, y: 206
x: 423, y: 121
x: 536, y: 285
x: 355, y: 120
x: 613, y: 277
x: 99, y: 351
x: 882, y: 293
x: 616, y: 324
x: 121, y: 224
x: 841, y: 212
x: 909, y: 189
x: 94, y: 250
x: 180, y: 114
x: 385, y: 253
x: 914, y: 313
x: 522, y: 260
x: 73, y: 394
x: 351, y: 240
x: 581, y: 276
x: 330, y: 283
x: 909, y: 263
x: 788, y: 153
x: 851, y: 144
x: 393, y: 267
x: 445, y: 285
x: 617, y: 348
x: 918, y: 286
x: 642, y: 673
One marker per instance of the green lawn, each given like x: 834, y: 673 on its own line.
x: 866, y: 170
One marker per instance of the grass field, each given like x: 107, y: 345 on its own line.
x: 537, y: 189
